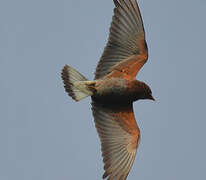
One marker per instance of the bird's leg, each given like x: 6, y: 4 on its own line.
x: 87, y: 87
x: 91, y: 85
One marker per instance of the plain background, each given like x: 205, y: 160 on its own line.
x: 45, y: 135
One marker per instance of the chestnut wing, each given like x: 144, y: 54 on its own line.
x: 119, y: 135
x: 126, y: 41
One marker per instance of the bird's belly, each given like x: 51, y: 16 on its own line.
x: 114, y: 90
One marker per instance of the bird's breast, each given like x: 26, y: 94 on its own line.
x: 114, y: 90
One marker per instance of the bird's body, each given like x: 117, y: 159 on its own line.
x: 118, y: 90
x: 115, y: 88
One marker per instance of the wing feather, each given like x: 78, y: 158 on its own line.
x: 119, y: 135
x: 126, y: 39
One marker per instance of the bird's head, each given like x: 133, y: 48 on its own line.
x: 147, y: 93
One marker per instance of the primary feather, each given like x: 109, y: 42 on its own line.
x: 126, y: 38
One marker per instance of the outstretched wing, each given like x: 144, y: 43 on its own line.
x: 126, y: 50
x: 119, y: 135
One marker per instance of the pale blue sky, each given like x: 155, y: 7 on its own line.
x: 45, y: 135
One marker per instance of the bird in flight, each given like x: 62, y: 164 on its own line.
x: 115, y: 88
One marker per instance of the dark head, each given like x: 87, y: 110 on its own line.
x: 146, y: 93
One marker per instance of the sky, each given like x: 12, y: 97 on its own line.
x: 45, y: 135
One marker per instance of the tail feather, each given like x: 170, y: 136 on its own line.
x: 71, y: 77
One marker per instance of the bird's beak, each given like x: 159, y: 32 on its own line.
x: 152, y: 98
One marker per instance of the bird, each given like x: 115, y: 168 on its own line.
x: 115, y: 88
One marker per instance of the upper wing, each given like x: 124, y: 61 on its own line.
x: 126, y: 50
x: 119, y: 135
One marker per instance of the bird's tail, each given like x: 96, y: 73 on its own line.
x: 76, y: 85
